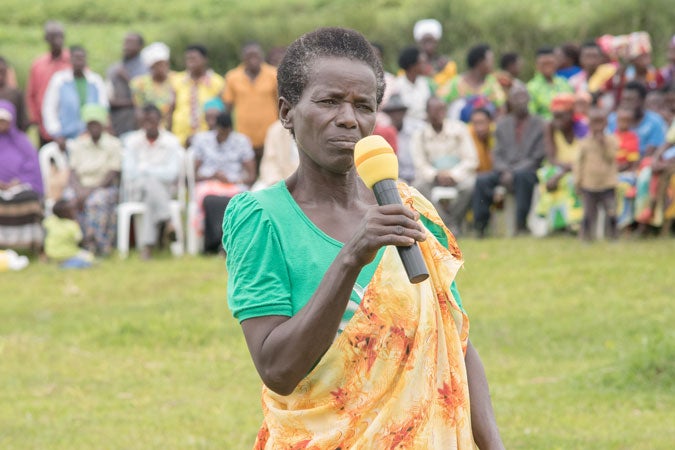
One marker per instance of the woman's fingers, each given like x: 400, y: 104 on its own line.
x: 395, y: 225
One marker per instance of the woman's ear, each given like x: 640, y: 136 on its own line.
x: 286, y: 113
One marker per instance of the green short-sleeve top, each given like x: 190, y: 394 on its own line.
x: 276, y: 257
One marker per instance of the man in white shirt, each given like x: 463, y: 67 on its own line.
x: 445, y: 164
x: 151, y: 166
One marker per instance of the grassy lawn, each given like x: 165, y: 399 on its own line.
x: 577, y: 340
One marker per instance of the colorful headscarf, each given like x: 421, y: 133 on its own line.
x: 563, y: 102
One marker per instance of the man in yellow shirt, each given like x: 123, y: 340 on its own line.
x: 251, y: 93
x: 193, y: 87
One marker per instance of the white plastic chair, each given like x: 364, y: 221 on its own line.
x: 126, y: 210
x: 439, y: 193
x: 49, y: 152
x: 194, y: 241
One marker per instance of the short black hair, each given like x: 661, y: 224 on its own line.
x: 638, y: 87
x: 435, y: 98
x: 541, y: 51
x: 77, y: 48
x: 408, y: 57
x: 198, y: 48
x: 62, y: 209
x: 151, y: 108
x: 571, y: 51
x: 224, y: 120
x: 293, y: 72
x: 477, y: 55
x: 508, y: 59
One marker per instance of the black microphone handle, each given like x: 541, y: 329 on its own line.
x: 386, y: 193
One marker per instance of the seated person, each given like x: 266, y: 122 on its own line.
x: 650, y: 129
x: 518, y: 152
x: 656, y: 176
x: 64, y: 236
x: 224, y: 167
x: 95, y: 163
x: 558, y: 200
x: 445, y: 156
x: 481, y: 127
x: 151, y: 164
x: 20, y: 185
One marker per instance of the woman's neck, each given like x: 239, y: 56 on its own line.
x: 311, y: 185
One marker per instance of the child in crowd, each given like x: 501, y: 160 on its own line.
x: 64, y: 236
x: 596, y: 174
x: 628, y: 155
x: 658, y: 169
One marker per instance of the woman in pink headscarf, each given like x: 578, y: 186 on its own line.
x: 20, y: 185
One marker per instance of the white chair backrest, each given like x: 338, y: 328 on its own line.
x: 48, y: 153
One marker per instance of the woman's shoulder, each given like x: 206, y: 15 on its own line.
x: 255, y: 204
x: 251, y: 213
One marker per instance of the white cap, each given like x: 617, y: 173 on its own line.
x: 427, y: 27
x: 155, y: 52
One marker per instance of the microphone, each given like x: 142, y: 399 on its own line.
x: 377, y: 166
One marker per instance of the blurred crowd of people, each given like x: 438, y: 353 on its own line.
x: 591, y: 132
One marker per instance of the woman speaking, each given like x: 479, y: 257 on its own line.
x: 351, y: 353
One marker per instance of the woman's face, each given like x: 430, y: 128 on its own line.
x: 481, y: 124
x: 563, y: 120
x: 4, y: 126
x: 160, y: 70
x: 336, y: 109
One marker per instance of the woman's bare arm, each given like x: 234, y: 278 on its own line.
x: 284, y: 349
x: 483, y: 423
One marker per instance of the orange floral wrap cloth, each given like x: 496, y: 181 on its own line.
x: 395, y: 378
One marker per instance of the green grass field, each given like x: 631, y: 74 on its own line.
x: 577, y: 340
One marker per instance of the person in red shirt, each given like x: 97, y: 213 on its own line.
x: 58, y: 58
x: 628, y: 155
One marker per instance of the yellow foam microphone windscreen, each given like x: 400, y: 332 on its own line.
x: 375, y: 160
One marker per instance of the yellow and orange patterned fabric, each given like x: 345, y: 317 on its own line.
x: 395, y: 378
